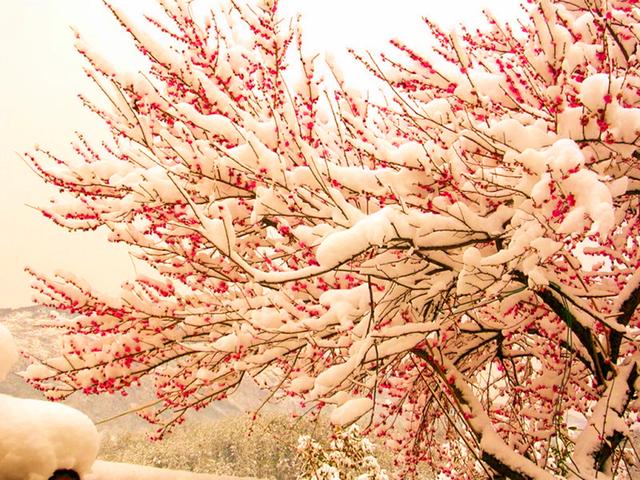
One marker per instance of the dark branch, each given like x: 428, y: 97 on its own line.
x: 611, y: 442
x: 627, y: 309
x: 600, y: 367
x: 504, y: 472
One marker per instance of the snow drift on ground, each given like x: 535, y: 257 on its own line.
x: 123, y: 471
x: 37, y: 438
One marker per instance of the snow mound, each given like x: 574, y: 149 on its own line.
x: 37, y: 438
x: 124, y: 471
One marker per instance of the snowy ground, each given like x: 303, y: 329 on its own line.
x: 124, y: 471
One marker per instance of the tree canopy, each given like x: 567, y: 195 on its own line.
x: 453, y: 260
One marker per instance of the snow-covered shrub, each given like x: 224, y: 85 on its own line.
x: 349, y: 456
x: 459, y: 262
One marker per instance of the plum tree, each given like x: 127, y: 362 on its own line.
x: 455, y: 261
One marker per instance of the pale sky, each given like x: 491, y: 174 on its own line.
x: 41, y: 76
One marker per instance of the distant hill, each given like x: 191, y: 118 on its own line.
x: 26, y: 325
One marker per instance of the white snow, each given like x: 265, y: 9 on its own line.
x: 375, y: 229
x: 472, y: 257
x: 545, y: 247
x: 302, y: 384
x: 38, y: 437
x: 595, y: 197
x: 593, y: 90
x: 351, y: 410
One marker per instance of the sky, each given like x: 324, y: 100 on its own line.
x: 42, y: 76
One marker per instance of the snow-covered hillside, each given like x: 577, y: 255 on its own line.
x: 27, y: 326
